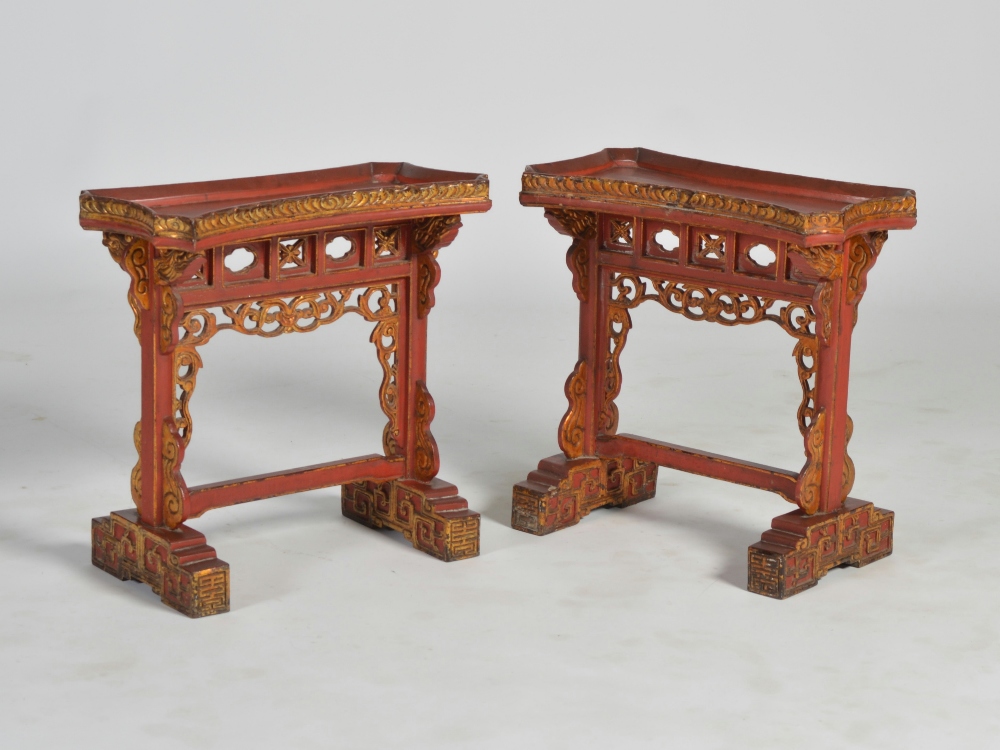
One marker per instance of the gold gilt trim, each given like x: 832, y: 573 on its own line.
x: 169, y: 306
x: 713, y: 204
x: 279, y: 212
x: 136, y: 478
x: 172, y: 263
x: 847, y: 483
x: 426, y: 453
x: 580, y: 224
x: 428, y: 275
x: 131, y: 255
x: 807, y: 489
x: 428, y: 231
x: 824, y: 259
x: 577, y: 259
x: 173, y: 505
x: 274, y: 316
x: 571, y: 429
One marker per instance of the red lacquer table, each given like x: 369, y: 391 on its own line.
x: 266, y: 256
x: 733, y: 246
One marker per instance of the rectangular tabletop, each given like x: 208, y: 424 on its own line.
x: 196, y: 211
x: 619, y: 179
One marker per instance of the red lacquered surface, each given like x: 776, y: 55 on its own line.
x: 732, y: 246
x: 268, y: 256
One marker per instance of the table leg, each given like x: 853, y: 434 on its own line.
x: 150, y: 543
x: 568, y: 486
x: 829, y: 529
x: 428, y: 511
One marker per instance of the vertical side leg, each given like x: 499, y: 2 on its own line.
x: 830, y: 528
x: 428, y: 511
x: 151, y: 544
x: 568, y: 486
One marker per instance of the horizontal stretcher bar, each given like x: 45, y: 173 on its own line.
x: 698, y: 462
x: 234, y: 491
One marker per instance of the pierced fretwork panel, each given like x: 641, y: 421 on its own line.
x: 245, y: 262
x: 296, y: 256
x: 663, y: 240
x: 343, y: 249
x: 278, y: 315
x: 388, y: 244
x: 714, y: 304
x: 708, y: 247
x: 619, y: 233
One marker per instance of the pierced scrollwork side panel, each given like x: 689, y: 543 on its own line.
x: 174, y: 489
x: 619, y: 324
x: 386, y: 340
x: 275, y: 316
x: 716, y: 305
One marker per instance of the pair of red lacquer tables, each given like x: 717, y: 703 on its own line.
x: 267, y: 256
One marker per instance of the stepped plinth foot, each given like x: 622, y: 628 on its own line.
x: 563, y: 490
x: 430, y: 514
x: 176, y: 563
x: 800, y: 549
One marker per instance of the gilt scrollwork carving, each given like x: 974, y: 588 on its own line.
x: 428, y: 231
x: 571, y: 429
x: 426, y: 450
x: 604, y: 190
x: 579, y: 224
x: 173, y: 485
x: 170, y: 306
x: 807, y: 489
x: 807, y: 363
x: 862, y: 253
x: 826, y: 260
x: 386, y: 340
x: 847, y: 483
x: 279, y: 315
x: 132, y: 255
x: 136, y: 477
x: 286, y: 210
x: 716, y: 305
x: 171, y: 264
x: 713, y: 304
x: 187, y: 362
x: 619, y: 323
x: 428, y: 275
x: 582, y: 226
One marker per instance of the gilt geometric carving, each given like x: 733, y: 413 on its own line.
x: 430, y: 515
x: 177, y: 564
x: 563, y: 490
x: 799, y: 549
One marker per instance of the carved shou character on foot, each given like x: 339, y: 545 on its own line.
x: 730, y: 246
x: 265, y: 257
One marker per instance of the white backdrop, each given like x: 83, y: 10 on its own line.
x: 631, y: 630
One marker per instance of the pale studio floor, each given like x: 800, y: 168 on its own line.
x: 632, y: 629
